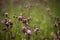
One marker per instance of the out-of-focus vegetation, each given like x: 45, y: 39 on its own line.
x: 35, y: 8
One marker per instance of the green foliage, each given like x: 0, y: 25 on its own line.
x: 39, y: 17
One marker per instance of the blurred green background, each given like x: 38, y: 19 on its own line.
x: 34, y: 8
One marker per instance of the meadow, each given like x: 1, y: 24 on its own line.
x: 40, y: 17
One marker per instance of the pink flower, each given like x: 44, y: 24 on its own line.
x: 36, y: 30
x: 28, y: 32
x: 20, y: 17
x: 7, y: 23
x: 24, y: 20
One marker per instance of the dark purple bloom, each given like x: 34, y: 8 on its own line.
x: 8, y: 23
x: 20, y: 18
x: 24, y: 29
x: 24, y: 20
x: 36, y: 30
